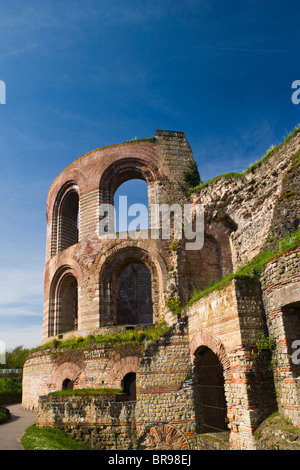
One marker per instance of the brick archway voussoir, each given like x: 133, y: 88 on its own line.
x: 206, y: 338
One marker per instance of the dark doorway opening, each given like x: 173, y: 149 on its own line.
x: 210, y: 391
x: 67, y: 384
x: 129, y: 386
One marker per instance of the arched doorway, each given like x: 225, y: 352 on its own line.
x: 67, y: 384
x: 209, y: 391
x: 129, y: 385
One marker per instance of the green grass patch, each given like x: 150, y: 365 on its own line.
x: 50, y: 439
x: 87, y: 391
x: 138, y: 338
x: 254, y: 269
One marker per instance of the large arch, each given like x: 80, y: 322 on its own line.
x: 64, y: 228
x: 110, y: 272
x: 134, y: 294
x: 63, y: 302
x: 124, y: 170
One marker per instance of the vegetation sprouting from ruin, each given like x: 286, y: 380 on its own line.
x: 272, y: 150
x: 139, y: 338
x: 254, y: 268
x: 192, y: 176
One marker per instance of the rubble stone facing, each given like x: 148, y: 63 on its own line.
x: 251, y: 204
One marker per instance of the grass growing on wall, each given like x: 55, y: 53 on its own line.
x: 253, y: 269
x: 232, y: 175
x: 139, y: 338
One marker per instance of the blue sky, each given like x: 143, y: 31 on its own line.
x: 81, y: 75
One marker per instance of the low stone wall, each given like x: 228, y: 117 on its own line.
x: 102, y: 422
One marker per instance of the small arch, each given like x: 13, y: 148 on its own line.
x: 129, y: 385
x: 291, y: 331
x: 206, y: 338
x: 67, y: 384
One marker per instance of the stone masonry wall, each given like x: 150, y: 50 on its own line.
x: 164, y: 402
x: 249, y: 203
x: 228, y: 322
x: 102, y: 422
x: 281, y: 293
x: 102, y: 366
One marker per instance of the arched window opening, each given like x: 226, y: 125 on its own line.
x: 129, y: 386
x: 67, y: 384
x: 133, y: 293
x: 68, y: 221
x: 67, y: 305
x: 210, y: 392
x: 131, y: 206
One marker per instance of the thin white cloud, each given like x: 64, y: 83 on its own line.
x: 27, y: 336
x: 19, y: 51
x: 20, y: 287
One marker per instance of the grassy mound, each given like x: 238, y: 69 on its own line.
x: 50, y: 439
x: 277, y: 433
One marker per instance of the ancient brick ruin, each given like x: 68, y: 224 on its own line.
x: 201, y: 375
